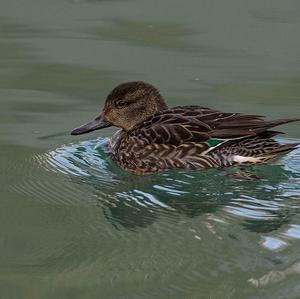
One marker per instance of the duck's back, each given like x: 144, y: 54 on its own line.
x: 192, y: 137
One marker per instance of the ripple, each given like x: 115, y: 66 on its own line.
x: 191, y: 193
x: 273, y: 243
x: 82, y: 169
x: 275, y: 276
x: 294, y: 231
x: 183, y: 214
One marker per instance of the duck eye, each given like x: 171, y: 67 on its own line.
x: 122, y: 103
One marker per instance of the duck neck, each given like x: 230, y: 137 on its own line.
x: 115, y: 140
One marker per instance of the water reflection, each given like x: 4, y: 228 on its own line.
x: 137, y: 201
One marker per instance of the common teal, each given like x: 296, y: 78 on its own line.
x: 154, y: 137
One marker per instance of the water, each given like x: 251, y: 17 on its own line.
x: 73, y: 225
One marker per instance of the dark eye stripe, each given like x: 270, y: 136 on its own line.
x: 122, y: 103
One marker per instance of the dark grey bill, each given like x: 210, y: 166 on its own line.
x: 93, y: 125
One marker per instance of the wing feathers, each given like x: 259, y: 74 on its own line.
x: 198, y: 124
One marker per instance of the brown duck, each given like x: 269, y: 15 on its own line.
x: 154, y: 137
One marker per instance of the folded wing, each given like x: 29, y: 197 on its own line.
x: 197, y: 124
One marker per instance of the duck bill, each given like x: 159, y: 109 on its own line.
x: 93, y: 125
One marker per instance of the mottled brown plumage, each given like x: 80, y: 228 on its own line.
x: 154, y: 137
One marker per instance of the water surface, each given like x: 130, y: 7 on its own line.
x: 73, y: 224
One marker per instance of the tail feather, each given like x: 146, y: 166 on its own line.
x: 269, y: 134
x: 240, y: 128
x: 274, y: 123
x: 277, y: 152
x: 284, y: 148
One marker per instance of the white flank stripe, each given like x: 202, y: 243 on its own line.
x: 242, y: 159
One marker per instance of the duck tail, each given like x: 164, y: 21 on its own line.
x: 274, y: 123
x: 280, y: 150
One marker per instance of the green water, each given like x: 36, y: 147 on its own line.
x: 73, y: 225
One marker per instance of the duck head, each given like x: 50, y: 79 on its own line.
x: 127, y: 105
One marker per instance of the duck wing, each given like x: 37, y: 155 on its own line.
x: 186, y: 124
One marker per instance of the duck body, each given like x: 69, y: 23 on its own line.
x: 191, y: 137
x: 184, y: 137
